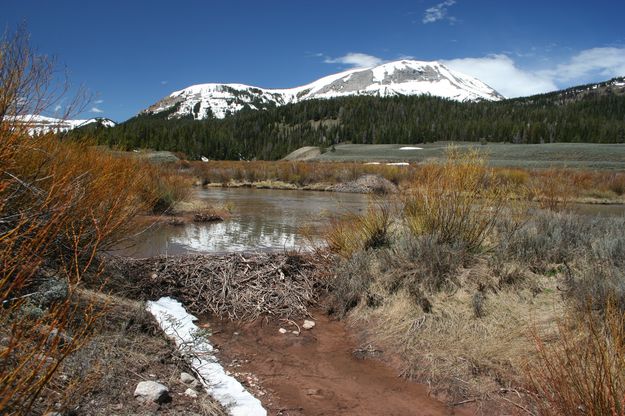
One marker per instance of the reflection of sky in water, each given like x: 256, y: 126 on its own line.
x: 261, y: 220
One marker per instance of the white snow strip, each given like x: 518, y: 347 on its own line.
x: 178, y: 324
x: 372, y: 163
x: 398, y: 164
x: 410, y: 148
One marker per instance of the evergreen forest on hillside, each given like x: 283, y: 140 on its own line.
x: 575, y: 115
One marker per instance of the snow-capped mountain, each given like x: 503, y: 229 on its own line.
x: 41, y: 124
x: 405, y: 77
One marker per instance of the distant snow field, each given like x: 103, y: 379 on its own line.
x: 410, y: 148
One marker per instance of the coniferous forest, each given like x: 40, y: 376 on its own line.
x: 579, y: 114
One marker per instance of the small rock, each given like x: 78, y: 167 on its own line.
x: 152, y: 392
x: 282, y: 331
x: 295, y: 332
x: 308, y: 324
x: 191, y: 393
x: 153, y: 275
x: 186, y: 378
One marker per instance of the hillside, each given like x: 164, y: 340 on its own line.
x: 592, y: 115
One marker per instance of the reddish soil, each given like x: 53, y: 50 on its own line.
x: 317, y: 372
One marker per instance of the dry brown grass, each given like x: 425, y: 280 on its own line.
x: 455, y: 352
x: 460, y: 317
x: 352, y: 232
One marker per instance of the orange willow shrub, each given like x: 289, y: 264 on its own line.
x: 554, y: 188
x: 459, y: 200
x: 583, y: 371
x: 60, y: 203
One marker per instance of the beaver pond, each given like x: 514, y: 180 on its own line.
x: 260, y: 220
x: 266, y: 220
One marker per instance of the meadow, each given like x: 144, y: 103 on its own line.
x: 548, y: 155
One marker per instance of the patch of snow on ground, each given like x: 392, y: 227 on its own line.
x: 398, y: 164
x: 410, y: 148
x: 178, y: 324
x: 372, y: 163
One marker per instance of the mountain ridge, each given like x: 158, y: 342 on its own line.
x: 38, y: 124
x: 404, y: 77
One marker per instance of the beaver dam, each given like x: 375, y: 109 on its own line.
x: 255, y: 308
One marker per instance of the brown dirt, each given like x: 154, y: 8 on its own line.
x: 317, y: 372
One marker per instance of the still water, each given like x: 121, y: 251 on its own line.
x: 261, y: 220
x: 268, y: 220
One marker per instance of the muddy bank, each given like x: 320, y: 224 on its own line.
x: 322, y: 371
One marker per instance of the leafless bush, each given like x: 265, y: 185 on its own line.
x: 60, y: 203
x: 582, y: 372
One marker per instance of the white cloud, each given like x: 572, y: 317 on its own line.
x: 439, y: 12
x: 501, y: 73
x: 164, y: 82
x: 355, y: 60
x: 591, y: 63
x: 57, y: 108
x: 98, y: 101
x: 96, y: 110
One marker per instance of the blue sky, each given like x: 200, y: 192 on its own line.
x: 132, y: 53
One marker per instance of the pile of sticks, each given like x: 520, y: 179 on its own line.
x: 235, y: 286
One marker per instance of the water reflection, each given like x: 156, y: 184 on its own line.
x: 262, y: 220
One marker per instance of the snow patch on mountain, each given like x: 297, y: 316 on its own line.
x: 405, y: 77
